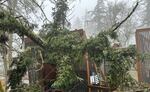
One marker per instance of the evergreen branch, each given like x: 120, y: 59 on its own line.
x: 41, y: 10
x: 15, y: 26
x: 3, y: 2
x: 116, y: 26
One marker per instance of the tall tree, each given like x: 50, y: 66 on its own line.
x: 107, y: 13
x: 99, y: 14
x: 59, y: 14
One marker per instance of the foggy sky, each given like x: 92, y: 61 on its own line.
x: 81, y: 7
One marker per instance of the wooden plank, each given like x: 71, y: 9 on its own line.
x: 143, y: 30
x: 102, y: 88
x: 138, y: 63
x: 88, y: 70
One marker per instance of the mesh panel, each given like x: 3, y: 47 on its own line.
x: 143, y: 44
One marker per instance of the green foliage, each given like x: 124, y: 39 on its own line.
x: 32, y: 88
x: 19, y: 66
x: 59, y: 14
x: 66, y: 50
x: 96, y: 46
x: 27, y: 88
x: 66, y: 74
x: 120, y: 59
x: 113, y: 35
x: 13, y: 24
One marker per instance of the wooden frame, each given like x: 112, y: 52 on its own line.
x: 138, y: 45
x: 99, y: 88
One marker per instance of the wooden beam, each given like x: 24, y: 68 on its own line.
x: 138, y: 63
x: 87, y: 69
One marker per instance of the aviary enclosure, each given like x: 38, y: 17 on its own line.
x: 143, y: 47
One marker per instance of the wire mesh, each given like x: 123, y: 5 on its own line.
x: 143, y: 46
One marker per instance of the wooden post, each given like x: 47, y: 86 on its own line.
x: 5, y: 65
x: 88, y: 69
x: 138, y: 61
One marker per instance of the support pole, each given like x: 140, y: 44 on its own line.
x: 88, y: 70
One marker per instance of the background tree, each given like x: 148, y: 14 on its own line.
x: 107, y: 13
x: 99, y: 14
x: 77, y: 23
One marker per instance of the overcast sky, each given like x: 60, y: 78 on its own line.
x: 81, y: 7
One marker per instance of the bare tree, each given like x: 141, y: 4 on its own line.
x: 107, y: 13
